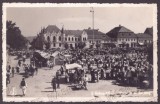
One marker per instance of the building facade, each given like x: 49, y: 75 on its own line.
x: 53, y: 37
x: 123, y: 37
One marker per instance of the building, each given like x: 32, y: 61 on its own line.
x: 121, y: 36
x: 94, y: 37
x: 149, y: 31
x: 53, y: 37
x: 145, y: 38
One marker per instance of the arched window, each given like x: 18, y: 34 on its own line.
x: 72, y: 38
x: 59, y: 38
x: 54, y: 38
x: 69, y: 39
x: 66, y: 39
x: 75, y: 39
x: 48, y: 38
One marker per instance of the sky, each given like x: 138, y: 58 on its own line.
x: 30, y: 20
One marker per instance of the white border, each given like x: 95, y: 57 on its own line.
x: 81, y: 99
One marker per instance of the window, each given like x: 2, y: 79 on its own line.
x: 59, y: 44
x: 54, y: 44
x: 59, y: 38
x: 119, y: 39
x: 78, y: 39
x: 65, y: 39
x: 72, y: 38
x: 128, y: 39
x: 54, y: 38
x: 90, y: 41
x: 69, y: 39
x: 48, y: 38
x: 75, y: 39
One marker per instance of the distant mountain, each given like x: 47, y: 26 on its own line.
x: 30, y: 38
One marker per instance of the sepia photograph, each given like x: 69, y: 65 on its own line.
x: 79, y: 52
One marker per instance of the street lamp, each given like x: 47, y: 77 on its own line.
x: 92, y: 10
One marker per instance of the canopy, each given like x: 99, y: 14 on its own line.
x: 67, y: 55
x: 72, y: 66
x: 43, y: 54
x: 55, y: 53
x: 141, y: 43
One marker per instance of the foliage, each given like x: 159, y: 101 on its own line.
x: 81, y: 45
x: 14, y: 37
x: 150, y: 53
x: 66, y: 46
x: 98, y: 45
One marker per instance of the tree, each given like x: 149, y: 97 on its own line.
x: 150, y: 53
x: 14, y: 37
x: 66, y: 46
x: 98, y: 45
x: 81, y: 45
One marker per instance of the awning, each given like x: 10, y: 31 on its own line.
x: 43, y: 54
x: 55, y: 53
x: 141, y: 43
x: 72, y: 66
x: 67, y: 55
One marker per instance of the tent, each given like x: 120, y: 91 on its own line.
x: 72, y: 66
x: 55, y: 54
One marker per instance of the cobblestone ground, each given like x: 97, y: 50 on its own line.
x: 39, y: 86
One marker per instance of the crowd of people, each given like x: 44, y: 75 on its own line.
x: 128, y: 68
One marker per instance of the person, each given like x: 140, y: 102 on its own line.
x: 36, y: 70
x: 85, y: 83
x: 58, y: 78
x: 23, y: 86
x: 19, y: 62
x: 53, y: 82
x: 67, y: 78
x: 8, y: 77
x: 17, y: 69
x: 13, y: 71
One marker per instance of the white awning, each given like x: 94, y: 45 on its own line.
x: 55, y: 53
x: 72, y: 66
x: 67, y: 55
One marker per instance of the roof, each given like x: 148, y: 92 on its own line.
x: 149, y: 31
x: 73, y: 32
x: 106, y: 37
x: 143, y: 35
x: 120, y: 31
x: 97, y: 34
x: 126, y: 35
x: 52, y: 28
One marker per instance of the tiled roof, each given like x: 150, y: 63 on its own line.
x: 143, y: 35
x: 97, y: 34
x: 149, y: 31
x: 76, y: 33
x: 120, y: 31
x: 126, y: 35
x: 52, y: 28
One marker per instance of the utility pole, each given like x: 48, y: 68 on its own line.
x: 92, y: 10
